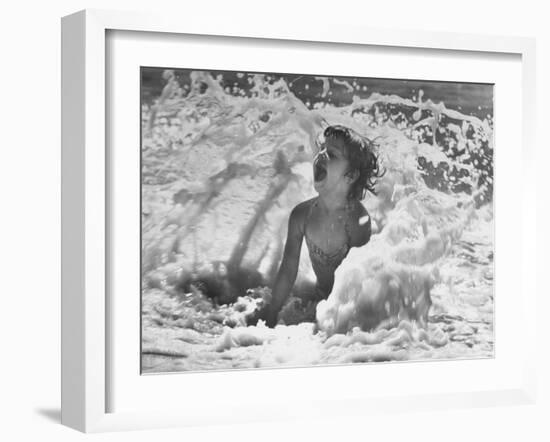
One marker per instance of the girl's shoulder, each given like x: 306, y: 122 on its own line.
x: 303, y: 208
x: 357, y: 209
x: 301, y: 212
x: 360, y: 224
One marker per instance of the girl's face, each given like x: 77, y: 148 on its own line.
x: 330, y: 166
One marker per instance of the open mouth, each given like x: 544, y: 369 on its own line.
x: 319, y: 171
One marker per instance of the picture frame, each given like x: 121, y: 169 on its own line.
x: 87, y: 315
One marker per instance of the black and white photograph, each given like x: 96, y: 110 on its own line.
x: 293, y: 220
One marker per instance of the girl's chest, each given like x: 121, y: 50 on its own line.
x: 329, y: 234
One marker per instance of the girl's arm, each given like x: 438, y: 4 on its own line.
x: 289, y: 265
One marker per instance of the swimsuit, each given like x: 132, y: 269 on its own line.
x: 325, y: 263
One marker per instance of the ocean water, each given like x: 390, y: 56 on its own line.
x: 223, y: 165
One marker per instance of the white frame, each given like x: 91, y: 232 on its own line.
x: 84, y: 200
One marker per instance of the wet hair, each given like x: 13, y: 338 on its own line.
x: 359, y: 151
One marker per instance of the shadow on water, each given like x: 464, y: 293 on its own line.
x: 230, y: 279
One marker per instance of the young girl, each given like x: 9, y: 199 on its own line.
x: 331, y: 223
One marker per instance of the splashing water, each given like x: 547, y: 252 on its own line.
x: 221, y: 169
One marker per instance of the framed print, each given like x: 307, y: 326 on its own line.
x: 318, y: 217
x: 229, y: 157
